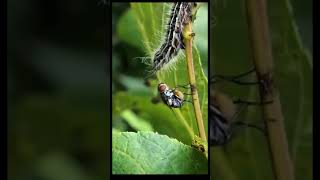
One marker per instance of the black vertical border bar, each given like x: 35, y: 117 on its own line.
x: 108, y: 15
x: 4, y: 59
x: 208, y: 77
x: 316, y: 98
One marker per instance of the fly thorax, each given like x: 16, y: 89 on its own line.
x: 168, y: 93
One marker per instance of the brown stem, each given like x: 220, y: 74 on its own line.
x: 263, y: 60
x: 192, y: 80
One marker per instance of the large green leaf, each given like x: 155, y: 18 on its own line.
x: 248, y: 156
x: 151, y: 153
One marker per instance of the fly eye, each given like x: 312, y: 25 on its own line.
x: 162, y: 88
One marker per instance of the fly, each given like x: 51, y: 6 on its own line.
x: 171, y: 97
x: 223, y: 113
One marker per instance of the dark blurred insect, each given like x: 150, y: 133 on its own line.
x: 171, y: 97
x: 220, y: 131
x: 104, y: 2
x: 223, y: 113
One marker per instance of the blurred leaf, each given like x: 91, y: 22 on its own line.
x: 294, y: 69
x: 58, y: 166
x: 39, y: 124
x: 151, y: 153
x: 133, y: 84
x: 201, y: 39
x: 135, y: 122
x: 127, y: 34
x: 72, y: 71
x: 149, y: 17
x: 161, y: 118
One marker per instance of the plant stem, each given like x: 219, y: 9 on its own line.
x: 263, y: 60
x: 192, y: 80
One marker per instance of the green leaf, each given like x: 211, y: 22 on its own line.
x: 149, y: 19
x: 133, y: 84
x: 152, y: 153
x: 127, y: 34
x: 201, y: 39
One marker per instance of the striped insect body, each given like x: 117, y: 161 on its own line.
x: 166, y: 54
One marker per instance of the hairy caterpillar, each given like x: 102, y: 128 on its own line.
x: 180, y: 15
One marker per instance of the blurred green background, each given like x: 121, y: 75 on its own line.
x: 58, y: 86
x: 247, y: 155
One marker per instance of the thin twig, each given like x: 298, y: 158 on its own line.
x: 192, y: 80
x: 263, y: 60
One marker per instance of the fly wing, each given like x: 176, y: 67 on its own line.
x: 177, y: 102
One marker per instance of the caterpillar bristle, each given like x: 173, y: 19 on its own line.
x: 169, y: 39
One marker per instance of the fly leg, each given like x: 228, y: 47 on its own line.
x: 234, y: 79
x: 187, y: 86
x: 239, y: 101
x: 250, y: 125
x: 187, y: 101
x: 245, y: 124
